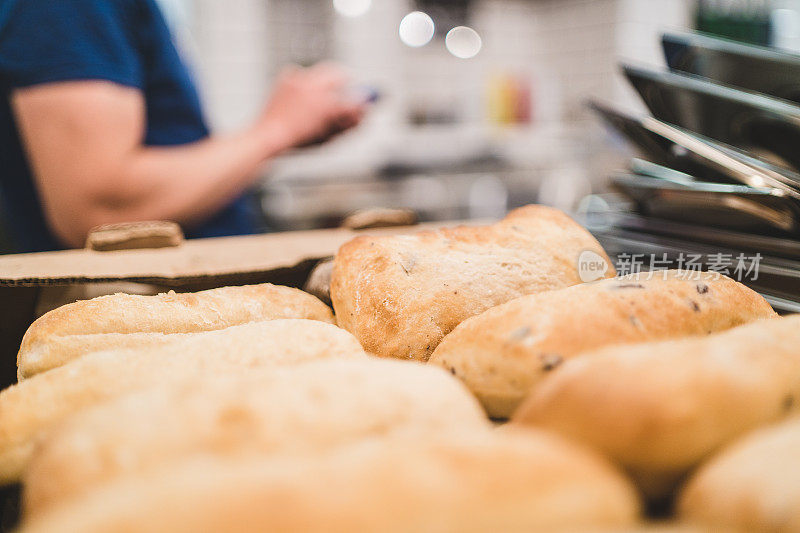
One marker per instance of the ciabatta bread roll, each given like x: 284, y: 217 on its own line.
x: 38, y: 403
x: 125, y: 320
x: 753, y: 485
x: 661, y: 408
x: 400, y: 295
x: 472, y: 483
x: 503, y: 353
x: 303, y: 409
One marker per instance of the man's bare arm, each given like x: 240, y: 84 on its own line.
x: 84, y: 142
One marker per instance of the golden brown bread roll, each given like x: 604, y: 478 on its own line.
x: 660, y: 408
x: 506, y: 351
x: 657, y: 527
x: 475, y: 482
x: 125, y: 320
x: 38, y: 403
x: 754, y: 485
x: 400, y: 295
x: 308, y: 408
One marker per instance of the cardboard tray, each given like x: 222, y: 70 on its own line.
x: 31, y: 284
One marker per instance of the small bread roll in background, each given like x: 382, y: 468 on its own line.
x: 123, y: 320
x: 400, y: 295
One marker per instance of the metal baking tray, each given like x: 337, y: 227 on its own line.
x: 652, y: 144
x: 699, y: 156
x: 755, y: 68
x: 642, y: 167
x: 735, y: 207
x: 777, y: 246
x: 611, y: 210
x: 751, y: 121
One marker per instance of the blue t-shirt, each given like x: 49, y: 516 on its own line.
x: 122, y: 41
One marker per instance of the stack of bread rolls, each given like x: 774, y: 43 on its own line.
x: 256, y: 409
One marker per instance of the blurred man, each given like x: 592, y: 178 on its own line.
x: 100, y: 123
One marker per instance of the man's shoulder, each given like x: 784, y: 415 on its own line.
x: 17, y: 10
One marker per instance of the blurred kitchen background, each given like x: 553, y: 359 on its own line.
x: 466, y: 126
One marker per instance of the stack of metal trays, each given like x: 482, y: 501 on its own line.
x: 717, y: 185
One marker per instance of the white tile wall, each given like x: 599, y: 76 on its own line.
x: 233, y: 62
x: 569, y: 48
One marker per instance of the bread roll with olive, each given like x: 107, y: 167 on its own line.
x: 659, y: 409
x: 505, y: 352
x: 400, y: 295
x: 132, y: 321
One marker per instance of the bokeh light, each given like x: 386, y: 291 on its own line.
x: 417, y: 29
x: 463, y: 42
x: 352, y: 8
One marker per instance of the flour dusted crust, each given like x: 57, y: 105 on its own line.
x: 123, y: 320
x: 400, y: 295
x: 753, y: 485
x: 300, y: 410
x: 661, y: 408
x: 471, y: 483
x: 504, y: 352
x: 42, y: 401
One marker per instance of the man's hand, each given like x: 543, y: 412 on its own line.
x: 310, y: 105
